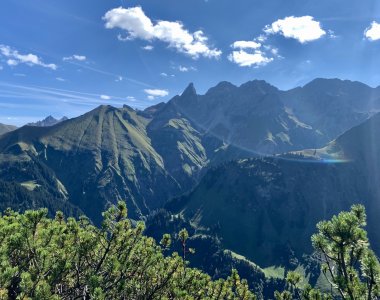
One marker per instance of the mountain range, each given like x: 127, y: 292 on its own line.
x: 251, y: 164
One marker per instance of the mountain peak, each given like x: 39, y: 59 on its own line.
x: 221, y: 87
x: 258, y: 85
x: 189, y: 91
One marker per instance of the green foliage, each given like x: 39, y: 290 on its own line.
x: 349, y: 264
x: 44, y: 258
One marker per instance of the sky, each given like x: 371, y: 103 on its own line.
x: 66, y: 57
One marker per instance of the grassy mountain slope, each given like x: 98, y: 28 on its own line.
x: 6, y: 128
x: 104, y: 155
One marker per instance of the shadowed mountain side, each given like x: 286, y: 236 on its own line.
x: 273, y: 204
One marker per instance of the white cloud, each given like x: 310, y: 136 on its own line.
x: 12, y: 62
x: 246, y: 59
x: 148, y: 48
x: 186, y: 69
x: 163, y: 74
x: 137, y: 25
x: 304, y: 29
x: 105, y: 97
x: 60, y: 79
x: 153, y: 93
x: 183, y: 69
x: 372, y: 33
x: 14, y: 58
x: 246, y: 45
x: 131, y: 98
x: 1, y: 67
x: 332, y: 34
x: 75, y: 57
x: 250, y: 53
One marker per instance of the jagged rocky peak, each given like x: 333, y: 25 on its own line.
x: 189, y: 91
x: 48, y: 121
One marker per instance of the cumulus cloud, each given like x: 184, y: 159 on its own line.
x: 247, y: 59
x: 250, y: 53
x: 304, y: 29
x: 75, y: 57
x: 138, y: 25
x: 153, y: 93
x: 14, y: 58
x: 372, y: 33
x: 105, y: 97
x: 259, y: 52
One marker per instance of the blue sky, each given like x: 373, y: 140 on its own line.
x: 67, y: 57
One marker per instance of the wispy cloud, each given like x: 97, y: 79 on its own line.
x: 60, y: 79
x: 75, y: 57
x: 14, y: 58
x: 116, y: 77
x: 105, y: 97
x: 148, y: 47
x: 186, y: 69
x: 131, y: 98
x: 138, y: 25
x: 54, y: 95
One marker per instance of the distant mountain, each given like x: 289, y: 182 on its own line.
x: 332, y: 105
x: 266, y: 208
x: 6, y: 128
x: 252, y: 117
x: 48, y: 121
